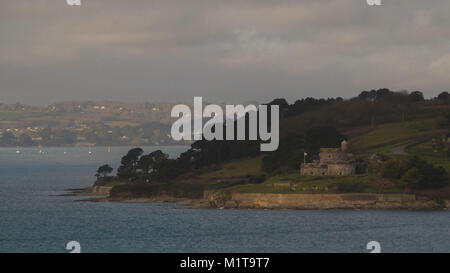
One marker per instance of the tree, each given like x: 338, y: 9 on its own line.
x: 104, y: 170
x: 374, y: 95
x: 416, y: 96
x: 412, y: 178
x: 391, y: 169
x: 444, y: 121
x: 320, y: 137
x: 282, y: 104
x: 8, y: 139
x: 415, y: 173
x: 146, y: 162
x: 443, y: 96
x: 165, y: 169
x: 132, y: 157
x: 25, y: 140
x: 124, y: 172
x: 129, y: 162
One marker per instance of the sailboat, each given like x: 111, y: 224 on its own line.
x: 90, y: 150
x: 109, y: 149
x: 17, y: 150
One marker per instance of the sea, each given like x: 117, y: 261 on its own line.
x: 34, y: 217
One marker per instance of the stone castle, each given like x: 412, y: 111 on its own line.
x: 332, y: 161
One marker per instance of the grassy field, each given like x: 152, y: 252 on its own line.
x: 415, y: 136
x: 319, y: 184
x: 425, y: 151
x: 388, y: 136
x: 237, y: 168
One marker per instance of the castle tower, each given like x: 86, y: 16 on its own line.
x: 344, y: 146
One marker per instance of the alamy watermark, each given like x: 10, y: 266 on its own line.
x: 369, y: 2
x: 74, y: 247
x: 234, y: 114
x: 374, y: 2
x: 73, y: 2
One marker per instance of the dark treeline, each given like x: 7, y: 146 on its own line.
x: 369, y: 108
x: 305, y: 126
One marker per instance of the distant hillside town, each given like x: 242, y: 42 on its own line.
x: 87, y: 123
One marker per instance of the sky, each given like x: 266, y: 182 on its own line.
x: 227, y: 51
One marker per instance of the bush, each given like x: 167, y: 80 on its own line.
x: 433, y: 177
x: 443, y: 121
x: 258, y: 179
x: 415, y: 173
x: 391, y: 169
x: 125, y: 173
x: 412, y: 177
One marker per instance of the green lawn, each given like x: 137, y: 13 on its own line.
x: 319, y: 184
x: 387, y: 136
x: 425, y: 151
x: 237, y: 168
x: 388, y: 148
x: 413, y: 147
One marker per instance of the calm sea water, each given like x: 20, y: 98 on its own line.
x: 33, y: 218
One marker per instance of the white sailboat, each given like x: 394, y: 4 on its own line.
x: 109, y: 149
x: 90, y: 150
x: 17, y: 150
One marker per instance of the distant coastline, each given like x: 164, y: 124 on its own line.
x: 379, y: 150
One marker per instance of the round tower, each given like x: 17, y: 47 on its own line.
x: 344, y: 146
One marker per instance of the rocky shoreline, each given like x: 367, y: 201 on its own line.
x: 323, y: 201
x: 227, y: 200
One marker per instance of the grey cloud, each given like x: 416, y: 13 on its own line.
x: 227, y: 51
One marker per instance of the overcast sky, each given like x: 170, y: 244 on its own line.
x: 226, y: 51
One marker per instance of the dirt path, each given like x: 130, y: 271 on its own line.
x: 400, y: 150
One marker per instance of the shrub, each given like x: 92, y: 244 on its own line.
x: 412, y: 177
x: 420, y: 174
x: 391, y: 169
x: 415, y: 173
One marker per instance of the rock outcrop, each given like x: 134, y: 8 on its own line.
x: 319, y: 201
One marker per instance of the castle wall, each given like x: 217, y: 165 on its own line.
x: 313, y: 170
x: 331, y: 156
x: 333, y: 161
x: 341, y: 169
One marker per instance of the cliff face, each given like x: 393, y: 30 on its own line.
x: 320, y: 201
